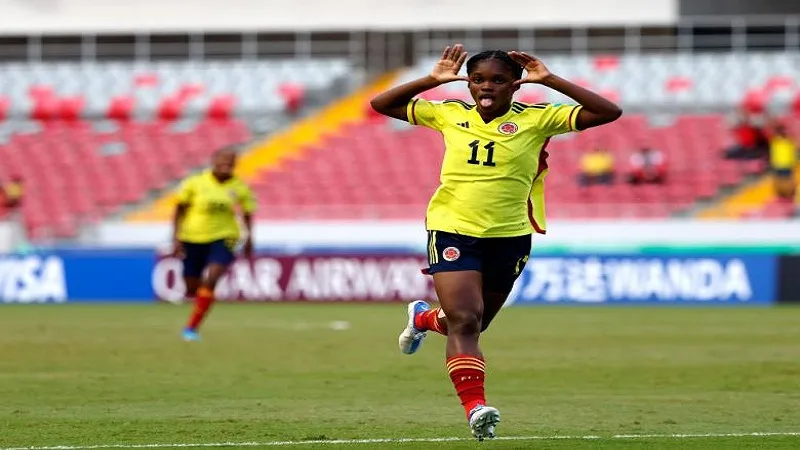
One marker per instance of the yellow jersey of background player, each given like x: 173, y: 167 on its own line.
x: 211, y: 208
x: 206, y: 231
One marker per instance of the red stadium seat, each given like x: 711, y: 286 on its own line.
x: 121, y: 108
x: 583, y: 82
x: 450, y: 92
x: 293, y: 95
x: 754, y: 101
x: 531, y: 96
x: 605, y: 63
x: 5, y: 105
x: 437, y: 93
x: 779, y: 82
x: 45, y: 108
x: 373, y: 116
x: 611, y: 94
x: 170, y: 109
x: 679, y: 84
x: 187, y: 91
x: 39, y: 91
x: 145, y: 79
x: 754, y: 167
x: 795, y: 109
x: 70, y: 108
x: 221, y: 107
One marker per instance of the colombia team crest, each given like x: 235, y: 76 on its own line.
x: 508, y: 128
x: 451, y: 254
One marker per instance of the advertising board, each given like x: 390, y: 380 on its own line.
x: 691, y: 278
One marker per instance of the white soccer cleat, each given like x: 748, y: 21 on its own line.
x: 411, y: 338
x: 482, y: 421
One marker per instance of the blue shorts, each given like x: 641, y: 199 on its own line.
x: 783, y: 173
x: 198, y: 256
x: 500, y: 260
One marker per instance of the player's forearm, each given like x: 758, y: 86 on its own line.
x: 248, y: 224
x: 180, y: 212
x: 175, y: 228
x: 590, y: 101
x: 399, y: 96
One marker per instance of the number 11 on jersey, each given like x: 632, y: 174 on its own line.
x: 475, y: 146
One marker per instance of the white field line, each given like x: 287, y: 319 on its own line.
x: 404, y: 440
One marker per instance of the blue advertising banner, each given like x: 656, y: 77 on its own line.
x: 143, y: 276
x: 652, y: 279
x: 77, y: 275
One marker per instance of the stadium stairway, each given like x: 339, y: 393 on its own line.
x: 282, y: 145
x: 752, y: 200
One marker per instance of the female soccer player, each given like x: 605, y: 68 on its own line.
x: 206, y: 231
x: 491, y: 198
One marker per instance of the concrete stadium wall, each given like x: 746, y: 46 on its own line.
x: 103, y: 16
x: 411, y: 234
x: 6, y: 237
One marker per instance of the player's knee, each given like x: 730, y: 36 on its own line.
x: 464, y: 322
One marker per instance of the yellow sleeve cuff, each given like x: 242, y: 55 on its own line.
x: 411, y: 111
x: 573, y: 118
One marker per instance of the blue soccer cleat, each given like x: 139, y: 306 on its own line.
x: 411, y: 338
x: 190, y: 335
x: 482, y: 420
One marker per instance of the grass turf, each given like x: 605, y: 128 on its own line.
x: 119, y: 374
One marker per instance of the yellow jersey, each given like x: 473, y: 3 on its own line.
x: 782, y: 153
x: 492, y: 178
x: 211, y: 208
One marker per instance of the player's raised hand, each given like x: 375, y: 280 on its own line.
x: 536, y: 71
x: 447, y: 68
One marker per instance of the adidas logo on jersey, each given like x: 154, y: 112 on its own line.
x: 463, y: 124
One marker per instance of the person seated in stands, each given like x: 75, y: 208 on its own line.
x: 750, y: 141
x: 12, y: 192
x: 782, y: 161
x: 597, y: 167
x: 647, y: 166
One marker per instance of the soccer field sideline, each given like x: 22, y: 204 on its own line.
x: 407, y: 440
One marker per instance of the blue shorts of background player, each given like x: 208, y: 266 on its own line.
x: 198, y: 256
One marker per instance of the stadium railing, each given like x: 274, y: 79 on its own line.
x: 378, y: 51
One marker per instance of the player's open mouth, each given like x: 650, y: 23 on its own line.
x: 486, y: 100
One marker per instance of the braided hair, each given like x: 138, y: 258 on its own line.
x: 516, y: 69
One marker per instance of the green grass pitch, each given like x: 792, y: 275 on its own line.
x: 82, y: 375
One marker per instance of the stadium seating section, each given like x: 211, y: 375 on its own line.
x: 379, y: 170
x: 370, y: 170
x: 75, y: 173
x: 676, y: 82
x: 90, y: 138
x: 165, y: 89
